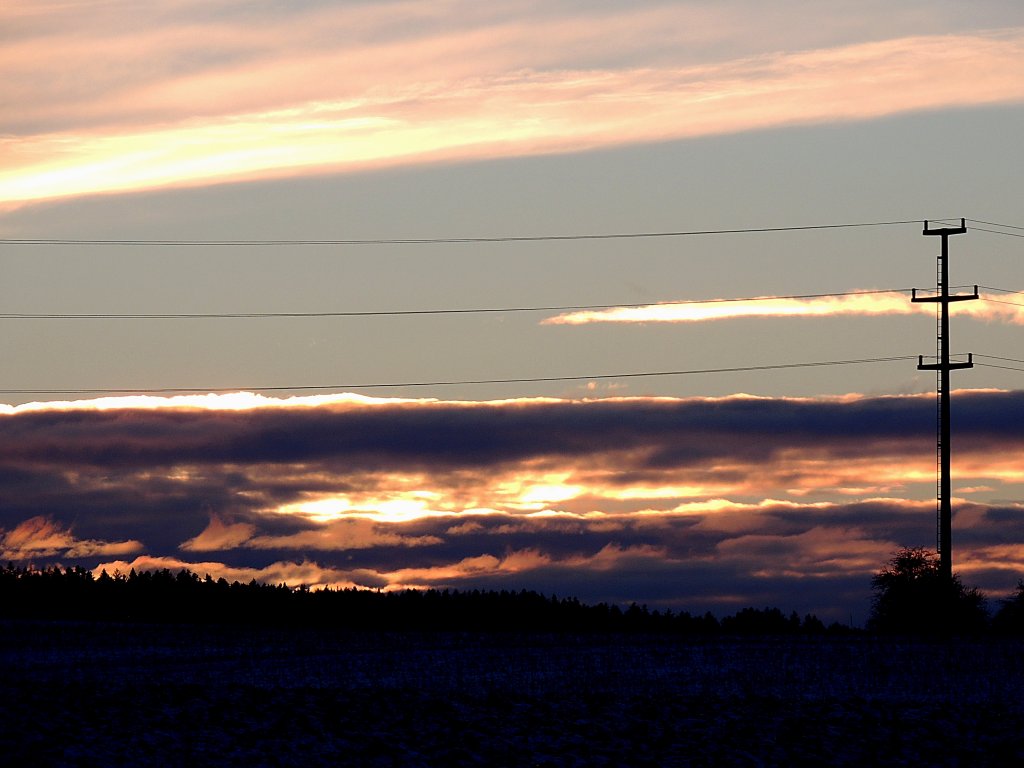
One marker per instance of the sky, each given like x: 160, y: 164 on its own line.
x: 341, y: 177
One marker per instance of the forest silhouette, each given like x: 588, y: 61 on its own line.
x: 74, y: 593
x: 910, y: 598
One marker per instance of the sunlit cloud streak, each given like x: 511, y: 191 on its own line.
x: 229, y: 401
x: 338, y: 535
x: 865, y: 304
x: 286, y: 97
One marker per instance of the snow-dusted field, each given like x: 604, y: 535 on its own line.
x: 110, y: 695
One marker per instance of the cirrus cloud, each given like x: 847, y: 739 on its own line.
x: 509, y: 81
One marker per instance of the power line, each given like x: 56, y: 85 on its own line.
x: 441, y: 240
x: 994, y: 224
x: 1001, y: 301
x: 1005, y: 359
x: 1001, y: 290
x: 975, y: 228
x: 1001, y: 368
x: 404, y: 384
x: 400, y: 312
x: 983, y: 298
x: 996, y: 232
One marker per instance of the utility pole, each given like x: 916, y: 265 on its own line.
x: 943, y: 366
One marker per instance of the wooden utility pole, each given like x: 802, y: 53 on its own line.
x: 943, y: 366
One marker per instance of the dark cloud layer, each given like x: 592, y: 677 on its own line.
x: 655, y: 500
x: 440, y: 435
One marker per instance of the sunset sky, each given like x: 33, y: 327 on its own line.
x: 369, y: 167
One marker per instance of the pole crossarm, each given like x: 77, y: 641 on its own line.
x: 946, y: 231
x: 923, y: 366
x: 943, y: 299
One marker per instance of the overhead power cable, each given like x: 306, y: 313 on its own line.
x: 440, y: 240
x: 1001, y: 290
x: 996, y: 232
x: 1004, y: 359
x: 975, y: 228
x: 404, y: 384
x: 994, y: 224
x: 1001, y: 367
x: 1002, y: 301
x: 399, y: 312
x: 994, y: 365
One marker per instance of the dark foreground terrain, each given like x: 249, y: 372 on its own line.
x: 117, y: 694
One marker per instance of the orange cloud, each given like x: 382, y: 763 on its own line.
x: 219, y: 535
x: 265, y: 117
x: 817, y: 552
x: 40, y: 537
x: 520, y: 561
x: 336, y: 536
x: 293, y: 574
x: 310, y: 574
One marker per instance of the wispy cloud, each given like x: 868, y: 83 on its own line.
x: 41, y: 538
x: 293, y: 574
x: 867, y: 304
x: 329, y: 89
x: 336, y: 534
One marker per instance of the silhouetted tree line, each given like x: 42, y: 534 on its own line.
x: 911, y: 596
x: 184, y: 597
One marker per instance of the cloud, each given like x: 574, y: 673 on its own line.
x: 679, y: 502
x: 339, y: 535
x: 396, y: 460
x: 863, y: 304
x: 245, y: 106
x: 40, y: 538
x: 231, y: 401
x: 291, y: 573
x: 817, y: 557
x: 513, y: 563
x: 219, y: 535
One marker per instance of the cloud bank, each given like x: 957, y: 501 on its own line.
x: 691, y: 503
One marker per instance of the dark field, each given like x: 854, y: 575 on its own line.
x: 109, y: 695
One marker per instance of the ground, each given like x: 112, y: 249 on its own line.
x: 112, y: 695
